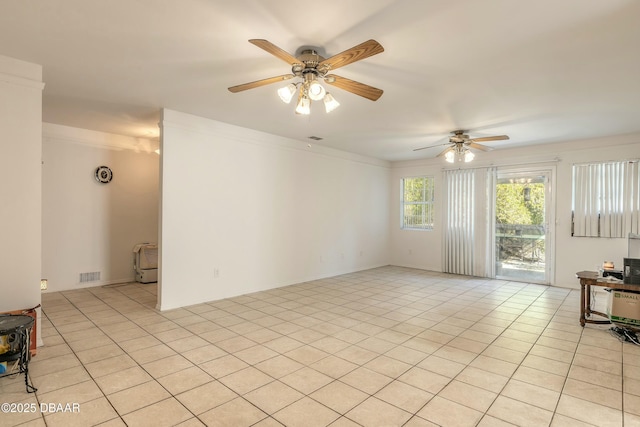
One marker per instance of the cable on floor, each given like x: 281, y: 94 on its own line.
x: 625, y: 334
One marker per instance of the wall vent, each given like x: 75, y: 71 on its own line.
x: 92, y: 276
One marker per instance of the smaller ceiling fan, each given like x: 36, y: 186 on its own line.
x: 311, y: 69
x: 460, y: 144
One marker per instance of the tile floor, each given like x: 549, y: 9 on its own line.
x: 384, y: 347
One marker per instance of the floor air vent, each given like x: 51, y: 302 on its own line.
x: 92, y: 276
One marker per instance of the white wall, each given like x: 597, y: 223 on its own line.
x: 585, y: 253
x: 422, y: 249
x: 416, y: 248
x: 88, y: 226
x: 20, y: 143
x: 262, y: 211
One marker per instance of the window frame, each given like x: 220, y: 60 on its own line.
x: 426, y: 201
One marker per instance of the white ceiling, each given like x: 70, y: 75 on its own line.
x: 540, y: 71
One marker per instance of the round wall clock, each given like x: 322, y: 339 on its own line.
x: 104, y: 174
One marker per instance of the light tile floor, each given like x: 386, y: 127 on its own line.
x: 384, y: 347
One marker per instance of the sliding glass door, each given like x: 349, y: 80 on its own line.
x: 522, y: 201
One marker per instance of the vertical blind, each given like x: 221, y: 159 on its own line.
x: 489, y: 263
x: 469, y: 222
x: 606, y: 199
x: 459, y: 222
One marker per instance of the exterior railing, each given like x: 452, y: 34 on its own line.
x: 522, y: 242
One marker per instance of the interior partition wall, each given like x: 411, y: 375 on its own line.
x: 244, y: 211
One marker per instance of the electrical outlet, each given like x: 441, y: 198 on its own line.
x: 43, y: 284
x: 216, y: 273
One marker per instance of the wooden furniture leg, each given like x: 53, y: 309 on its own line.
x: 583, y: 302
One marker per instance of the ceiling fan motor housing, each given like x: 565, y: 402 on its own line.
x: 458, y: 136
x: 309, y: 61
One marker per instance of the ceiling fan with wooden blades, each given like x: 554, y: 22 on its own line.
x: 460, y: 143
x: 311, y: 69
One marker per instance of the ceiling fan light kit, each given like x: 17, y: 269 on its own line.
x: 313, y: 69
x: 459, y: 153
x: 310, y: 90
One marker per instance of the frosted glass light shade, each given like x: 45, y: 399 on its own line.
x: 316, y: 91
x: 330, y: 103
x: 286, y: 93
x: 450, y: 156
x: 468, y: 156
x: 304, y: 106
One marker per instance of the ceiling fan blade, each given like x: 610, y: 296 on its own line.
x: 258, y: 83
x: 352, y: 86
x: 489, y: 138
x: 356, y: 53
x: 431, y: 146
x: 479, y: 146
x: 275, y: 51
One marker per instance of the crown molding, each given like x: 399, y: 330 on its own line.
x: 190, y: 123
x: 21, y: 81
x: 58, y: 133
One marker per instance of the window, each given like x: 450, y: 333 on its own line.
x: 417, y: 203
x: 605, y: 199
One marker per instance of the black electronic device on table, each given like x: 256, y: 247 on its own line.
x: 618, y: 274
x: 631, y: 272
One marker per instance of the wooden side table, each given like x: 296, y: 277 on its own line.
x: 588, y: 279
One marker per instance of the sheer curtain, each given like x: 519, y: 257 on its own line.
x: 469, y: 222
